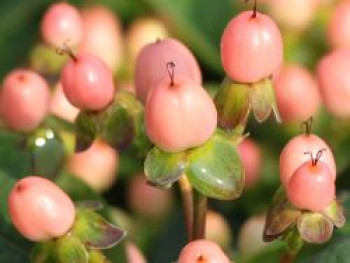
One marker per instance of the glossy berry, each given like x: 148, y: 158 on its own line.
x: 250, y: 155
x: 202, y: 251
x: 87, y: 82
x: 24, y: 100
x: 62, y: 22
x: 152, y: 60
x: 61, y: 107
x: 133, y: 254
x: 174, y: 114
x: 251, y: 47
x: 291, y: 84
x: 148, y: 201
x: 334, y: 80
x: 339, y: 26
x: 39, y: 209
x: 311, y: 187
x: 292, y: 155
x: 97, y: 166
x: 102, y: 35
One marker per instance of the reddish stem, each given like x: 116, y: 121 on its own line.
x: 66, y: 50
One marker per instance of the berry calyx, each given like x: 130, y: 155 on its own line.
x: 39, y: 209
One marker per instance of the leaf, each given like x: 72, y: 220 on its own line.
x: 70, y: 249
x: 233, y: 104
x: 281, y: 215
x: 263, y: 100
x: 96, y: 232
x: 335, y: 213
x: 162, y: 169
x: 314, y: 227
x: 47, y: 153
x: 215, y: 169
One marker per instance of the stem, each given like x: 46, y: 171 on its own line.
x: 199, y: 215
x: 307, y: 125
x: 287, y: 257
x: 187, y: 202
x: 66, y: 50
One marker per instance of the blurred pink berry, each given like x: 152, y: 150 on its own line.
x: 251, y: 47
x: 202, y: 251
x: 102, y: 35
x: 174, y: 114
x: 339, y: 26
x: 311, y: 187
x: 97, y: 166
x: 152, y: 60
x: 87, y: 82
x: 62, y: 22
x: 39, y: 209
x: 250, y: 155
x: 297, y: 93
x: 217, y: 229
x: 292, y: 155
x: 133, y: 254
x: 334, y: 80
x: 61, y: 107
x: 24, y: 100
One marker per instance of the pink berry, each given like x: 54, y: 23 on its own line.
x: 151, y: 62
x: 293, y: 14
x: 97, y: 166
x: 311, y: 187
x: 87, y: 82
x: 334, y: 79
x: 292, y: 155
x: 339, y: 26
x: 133, y: 254
x: 24, y: 100
x: 250, y: 239
x: 202, y: 251
x: 291, y: 84
x: 174, y: 114
x: 251, y: 47
x: 141, y: 32
x: 250, y: 155
x: 62, y: 22
x: 39, y: 209
x: 217, y: 229
x: 102, y: 35
x: 61, y: 107
x: 148, y: 201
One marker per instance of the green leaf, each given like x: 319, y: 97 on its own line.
x: 70, y: 249
x: 47, y: 153
x: 215, y: 169
x: 281, y: 215
x: 96, y: 232
x: 162, y: 169
x: 314, y: 227
x: 233, y: 104
x: 263, y: 100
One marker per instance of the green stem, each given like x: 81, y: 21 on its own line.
x: 199, y: 215
x: 187, y: 202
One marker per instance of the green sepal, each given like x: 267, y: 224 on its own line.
x: 94, y: 231
x: 44, y: 253
x: 335, y: 213
x: 162, y: 169
x: 281, y: 215
x: 87, y: 127
x: 233, y: 104
x: 70, y: 249
x: 96, y: 256
x: 215, y: 169
x: 263, y: 100
x: 314, y: 227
